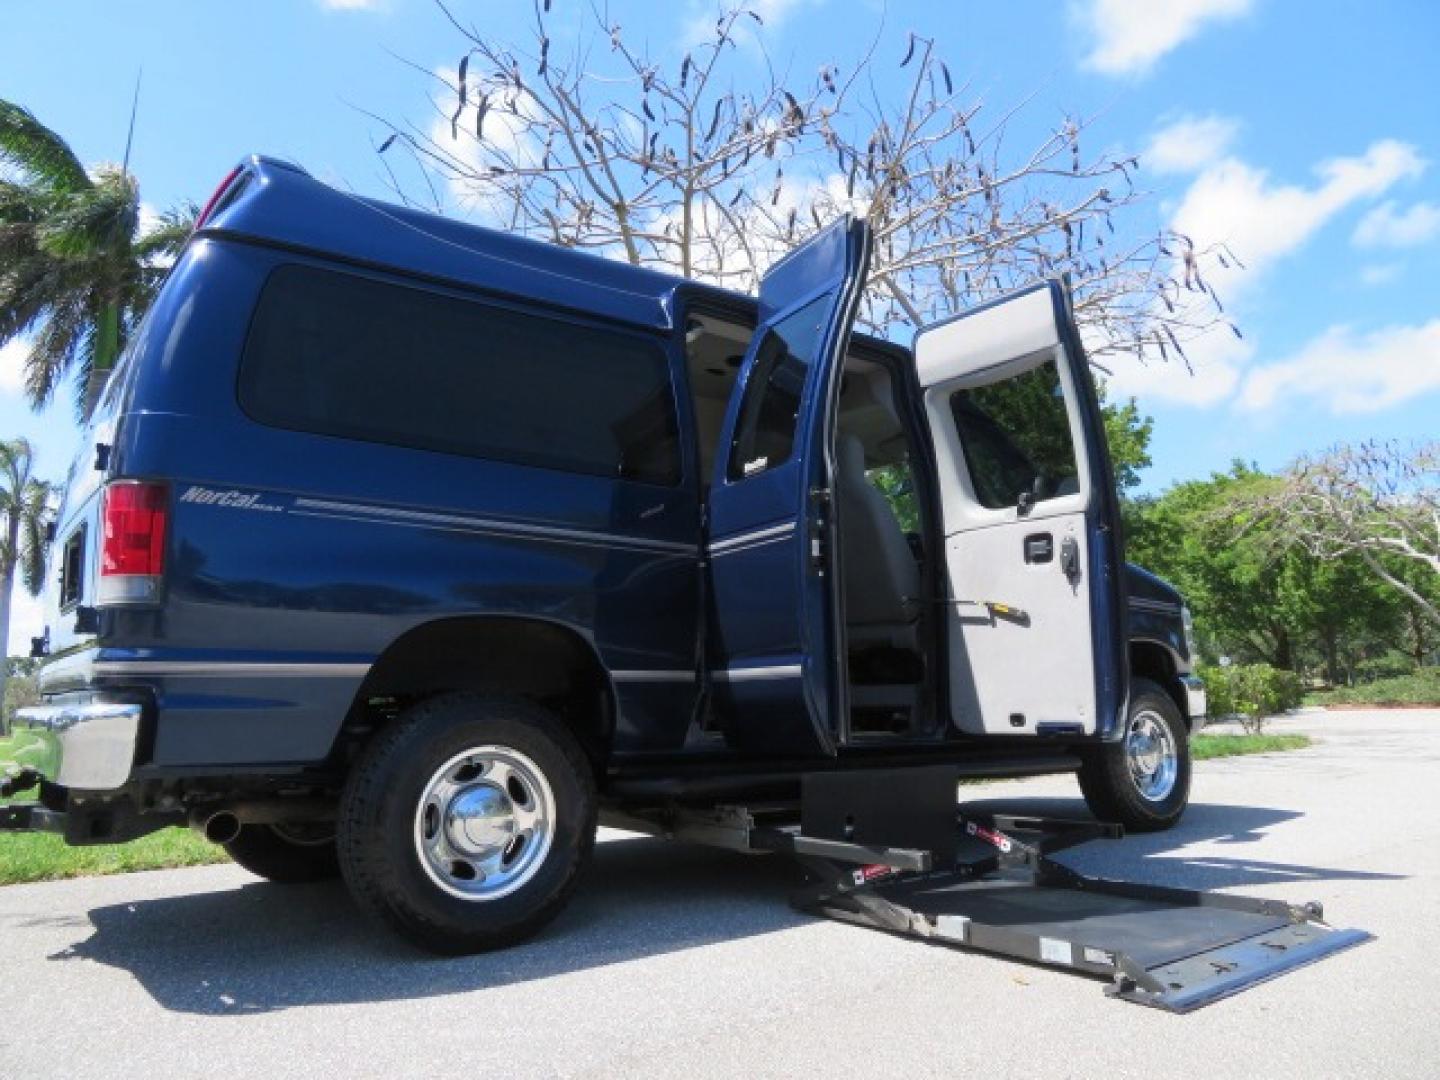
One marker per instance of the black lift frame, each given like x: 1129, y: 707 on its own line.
x: 892, y: 850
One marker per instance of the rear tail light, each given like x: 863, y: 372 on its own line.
x: 213, y: 202
x: 133, y: 520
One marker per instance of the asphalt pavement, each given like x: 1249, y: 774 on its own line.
x: 681, y: 961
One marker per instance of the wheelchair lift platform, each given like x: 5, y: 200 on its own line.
x: 893, y: 850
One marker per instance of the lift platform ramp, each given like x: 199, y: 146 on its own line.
x: 893, y: 850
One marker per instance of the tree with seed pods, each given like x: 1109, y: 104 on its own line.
x: 680, y: 161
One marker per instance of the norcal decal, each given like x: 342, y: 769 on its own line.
x: 229, y: 498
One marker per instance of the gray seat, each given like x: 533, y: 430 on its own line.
x: 882, y: 578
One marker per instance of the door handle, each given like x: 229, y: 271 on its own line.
x: 1039, y: 548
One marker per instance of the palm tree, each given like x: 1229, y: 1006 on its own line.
x: 76, y: 271
x: 24, y: 511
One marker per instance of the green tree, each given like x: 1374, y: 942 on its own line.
x: 1254, y: 599
x: 1017, y: 405
x: 76, y: 270
x: 24, y: 511
x: 1128, y: 433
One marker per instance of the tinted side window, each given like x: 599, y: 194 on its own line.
x: 1016, y: 437
x: 339, y: 354
x: 72, y: 569
x: 765, y: 434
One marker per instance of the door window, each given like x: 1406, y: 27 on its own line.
x: 770, y: 409
x: 1016, y: 437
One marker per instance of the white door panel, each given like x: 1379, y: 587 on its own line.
x: 983, y: 339
x: 1039, y: 670
x: 1010, y: 675
x: 959, y: 507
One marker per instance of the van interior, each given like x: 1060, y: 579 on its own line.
x: 883, y: 557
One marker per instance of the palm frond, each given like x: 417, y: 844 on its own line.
x: 35, y: 512
x: 95, y: 224
x: 38, y: 152
x: 20, y: 204
x: 64, y: 345
x: 167, y: 238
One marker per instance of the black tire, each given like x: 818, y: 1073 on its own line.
x: 286, y: 855
x: 382, y: 823
x: 1111, y: 789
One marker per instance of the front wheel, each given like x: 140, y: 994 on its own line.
x: 1143, y: 780
x: 466, y: 824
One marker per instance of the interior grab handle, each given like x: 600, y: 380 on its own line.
x: 995, y: 608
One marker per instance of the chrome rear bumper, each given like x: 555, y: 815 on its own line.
x: 90, y: 747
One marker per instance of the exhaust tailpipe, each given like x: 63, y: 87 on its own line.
x: 219, y: 828
x: 221, y: 823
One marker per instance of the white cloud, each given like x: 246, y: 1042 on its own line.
x: 351, y: 5
x: 27, y: 619
x: 1386, y: 226
x: 1262, y: 222
x: 1352, y: 373
x: 1130, y: 35
x: 1216, y: 360
x: 1238, y: 204
x: 1189, y: 144
x: 1380, y: 273
x: 773, y: 14
x: 12, y: 366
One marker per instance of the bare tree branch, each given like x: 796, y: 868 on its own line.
x: 675, y: 162
x: 1379, y: 500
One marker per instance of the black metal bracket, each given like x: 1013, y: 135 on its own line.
x: 30, y: 817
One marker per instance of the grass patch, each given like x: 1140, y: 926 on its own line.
x: 46, y: 857
x: 1419, y: 688
x: 1203, y: 747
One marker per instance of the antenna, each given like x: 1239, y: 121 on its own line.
x: 130, y: 135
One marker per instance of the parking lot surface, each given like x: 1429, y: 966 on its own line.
x: 681, y: 961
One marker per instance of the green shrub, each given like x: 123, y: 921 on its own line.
x: 1418, y: 688
x: 1253, y: 692
x: 1390, y: 666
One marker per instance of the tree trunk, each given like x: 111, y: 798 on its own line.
x: 1284, y: 651
x: 107, y: 351
x: 1332, y: 656
x: 7, y: 587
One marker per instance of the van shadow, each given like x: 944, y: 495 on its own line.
x: 265, y: 947
x: 1158, y: 858
x: 262, y: 947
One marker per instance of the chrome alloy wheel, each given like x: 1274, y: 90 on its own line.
x: 1152, y: 756
x: 484, y: 823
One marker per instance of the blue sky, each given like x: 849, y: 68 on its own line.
x: 1301, y: 133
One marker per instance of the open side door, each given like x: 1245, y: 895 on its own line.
x: 1032, y: 545
x: 776, y: 635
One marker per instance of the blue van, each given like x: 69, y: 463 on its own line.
x: 407, y: 550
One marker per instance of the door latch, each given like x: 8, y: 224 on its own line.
x: 1070, y: 558
x: 819, y: 525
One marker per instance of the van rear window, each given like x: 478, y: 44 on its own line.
x: 345, y: 355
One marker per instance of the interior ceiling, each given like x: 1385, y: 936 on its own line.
x: 716, y: 350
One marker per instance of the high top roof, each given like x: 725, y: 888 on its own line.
x: 280, y: 203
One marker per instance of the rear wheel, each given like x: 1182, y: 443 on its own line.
x: 1143, y: 780
x: 286, y: 854
x: 465, y: 826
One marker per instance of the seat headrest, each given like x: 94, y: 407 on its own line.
x: 850, y: 455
